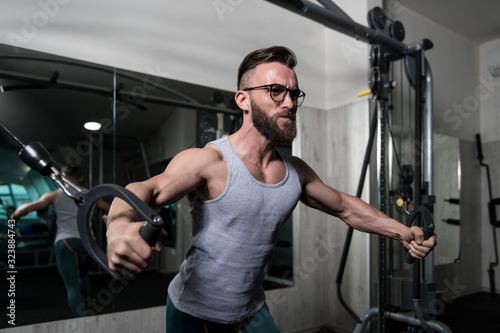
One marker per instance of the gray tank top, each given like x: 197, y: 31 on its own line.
x: 233, y: 237
x: 66, y: 210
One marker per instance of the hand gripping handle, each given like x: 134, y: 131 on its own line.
x: 149, y: 231
x: 428, y: 228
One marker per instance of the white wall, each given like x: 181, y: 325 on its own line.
x: 490, y: 137
x: 490, y: 92
x: 346, y: 62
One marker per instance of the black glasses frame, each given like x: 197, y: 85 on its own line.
x: 295, y: 94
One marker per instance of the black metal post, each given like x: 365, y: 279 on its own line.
x: 418, y: 157
x: 347, y: 244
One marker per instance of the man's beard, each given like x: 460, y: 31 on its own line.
x: 268, y: 126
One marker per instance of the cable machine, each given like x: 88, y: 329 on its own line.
x: 387, y: 47
x: 492, y: 213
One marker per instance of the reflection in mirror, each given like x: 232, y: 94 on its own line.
x: 145, y: 120
x: 447, y: 189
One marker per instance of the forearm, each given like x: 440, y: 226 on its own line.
x: 127, y: 251
x: 119, y: 209
x: 360, y: 215
x: 21, y: 211
x: 27, y: 208
x: 366, y: 218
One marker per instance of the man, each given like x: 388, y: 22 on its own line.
x: 72, y: 259
x: 240, y: 190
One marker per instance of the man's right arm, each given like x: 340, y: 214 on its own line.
x: 127, y: 252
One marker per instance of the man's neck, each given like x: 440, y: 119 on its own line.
x: 253, y: 147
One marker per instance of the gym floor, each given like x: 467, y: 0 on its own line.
x: 473, y: 313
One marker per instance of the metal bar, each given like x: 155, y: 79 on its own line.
x: 101, y: 164
x: 418, y: 158
x: 428, y: 172
x: 41, y: 81
x: 437, y: 326
x: 342, y: 24
x: 330, y: 5
x: 90, y: 165
x: 366, y: 318
x: 101, y: 68
x: 428, y: 134
x: 382, y: 262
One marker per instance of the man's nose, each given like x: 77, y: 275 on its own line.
x: 288, y: 102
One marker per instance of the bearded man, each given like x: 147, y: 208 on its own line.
x: 240, y: 189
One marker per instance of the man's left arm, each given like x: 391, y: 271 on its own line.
x: 357, y: 213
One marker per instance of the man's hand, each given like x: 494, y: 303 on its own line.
x: 128, y: 253
x: 413, y: 240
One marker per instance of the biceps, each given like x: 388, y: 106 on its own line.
x: 323, y: 197
x: 173, y: 187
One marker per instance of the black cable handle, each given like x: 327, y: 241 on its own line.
x: 149, y: 231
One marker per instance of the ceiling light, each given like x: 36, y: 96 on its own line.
x: 92, y: 126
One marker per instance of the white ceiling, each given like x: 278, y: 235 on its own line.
x: 478, y: 21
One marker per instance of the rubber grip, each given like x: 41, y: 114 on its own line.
x: 150, y: 231
x: 428, y: 228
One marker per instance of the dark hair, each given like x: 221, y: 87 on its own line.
x: 279, y: 54
x: 72, y: 171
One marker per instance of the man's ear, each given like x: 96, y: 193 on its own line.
x: 242, y: 100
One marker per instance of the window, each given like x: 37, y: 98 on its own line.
x: 13, y: 196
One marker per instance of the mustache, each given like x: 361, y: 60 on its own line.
x: 285, y: 114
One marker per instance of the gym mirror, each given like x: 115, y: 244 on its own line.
x: 447, y: 175
x: 145, y: 120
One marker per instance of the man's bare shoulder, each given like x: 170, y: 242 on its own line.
x: 196, y: 158
x: 306, y: 173
x: 298, y: 163
x: 214, y: 151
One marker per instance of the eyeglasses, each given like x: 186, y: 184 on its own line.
x: 278, y: 93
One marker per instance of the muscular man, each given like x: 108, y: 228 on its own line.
x: 241, y: 189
